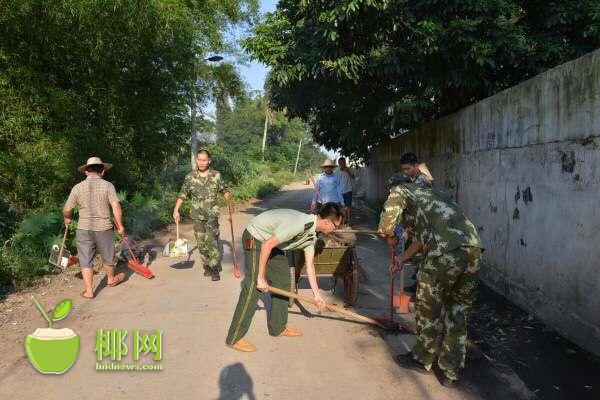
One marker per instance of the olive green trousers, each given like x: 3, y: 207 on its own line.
x: 278, y: 275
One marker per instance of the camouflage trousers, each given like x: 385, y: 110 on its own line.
x: 445, y: 294
x: 207, y: 240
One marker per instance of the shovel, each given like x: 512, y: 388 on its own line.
x: 59, y: 262
x: 179, y: 248
x: 401, y: 301
x: 236, y: 267
x: 134, y: 264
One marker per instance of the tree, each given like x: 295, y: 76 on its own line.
x: 240, y: 133
x: 110, y: 78
x: 362, y: 71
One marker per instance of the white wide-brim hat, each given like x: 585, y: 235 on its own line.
x: 329, y: 163
x: 94, y: 161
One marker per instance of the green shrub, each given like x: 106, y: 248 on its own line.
x: 24, y: 256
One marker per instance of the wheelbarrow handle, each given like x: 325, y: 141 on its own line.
x: 236, y: 267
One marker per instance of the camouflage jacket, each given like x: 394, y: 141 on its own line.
x: 438, y: 223
x: 419, y: 180
x: 203, y: 192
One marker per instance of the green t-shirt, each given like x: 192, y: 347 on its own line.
x: 293, y: 229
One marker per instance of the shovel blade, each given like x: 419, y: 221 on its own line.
x: 401, y: 303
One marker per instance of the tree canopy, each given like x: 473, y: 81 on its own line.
x: 361, y: 71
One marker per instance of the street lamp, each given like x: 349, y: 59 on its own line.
x: 214, y: 59
x: 194, y: 138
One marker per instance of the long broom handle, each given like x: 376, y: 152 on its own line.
x: 331, y: 307
x: 129, y: 249
x: 312, y: 180
x: 62, y: 247
x: 393, y: 262
x: 236, y: 267
x: 177, y: 228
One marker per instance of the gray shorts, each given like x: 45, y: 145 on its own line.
x: 88, y: 242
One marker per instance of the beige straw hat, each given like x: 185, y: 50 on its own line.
x: 329, y: 163
x: 94, y: 161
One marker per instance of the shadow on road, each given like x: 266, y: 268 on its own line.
x: 235, y: 383
x: 183, y: 265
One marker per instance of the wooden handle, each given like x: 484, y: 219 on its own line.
x: 177, y: 228
x: 130, y: 249
x: 365, y: 231
x: 236, y: 268
x: 392, y: 263
x: 402, y: 282
x: 331, y: 307
x: 312, y: 180
x: 62, y: 247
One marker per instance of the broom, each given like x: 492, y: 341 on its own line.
x: 331, y: 307
x: 135, y: 265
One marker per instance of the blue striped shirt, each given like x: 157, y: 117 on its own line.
x: 328, y: 189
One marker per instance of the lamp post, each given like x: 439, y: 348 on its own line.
x: 193, y: 134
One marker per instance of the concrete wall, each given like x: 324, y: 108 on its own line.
x: 525, y: 166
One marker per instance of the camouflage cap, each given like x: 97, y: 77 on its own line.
x: 398, y: 178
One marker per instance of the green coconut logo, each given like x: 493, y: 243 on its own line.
x: 52, y: 351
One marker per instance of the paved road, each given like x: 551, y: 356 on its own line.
x: 334, y: 358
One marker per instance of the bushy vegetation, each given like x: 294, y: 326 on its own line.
x: 117, y: 79
x: 236, y: 154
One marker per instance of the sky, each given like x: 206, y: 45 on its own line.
x: 254, y: 74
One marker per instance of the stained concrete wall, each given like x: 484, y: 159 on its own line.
x: 525, y: 166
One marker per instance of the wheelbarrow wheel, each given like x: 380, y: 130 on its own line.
x: 351, y: 287
x: 351, y: 284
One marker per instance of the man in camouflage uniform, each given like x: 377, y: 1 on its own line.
x: 410, y: 166
x: 202, y: 187
x: 447, y: 277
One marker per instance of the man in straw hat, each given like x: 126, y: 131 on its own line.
x: 95, y: 198
x: 328, y: 188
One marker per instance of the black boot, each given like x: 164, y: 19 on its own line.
x: 449, y: 383
x: 215, y: 274
x: 207, y: 271
x: 407, y: 361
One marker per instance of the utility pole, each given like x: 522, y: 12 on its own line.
x: 264, y: 141
x: 297, y: 156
